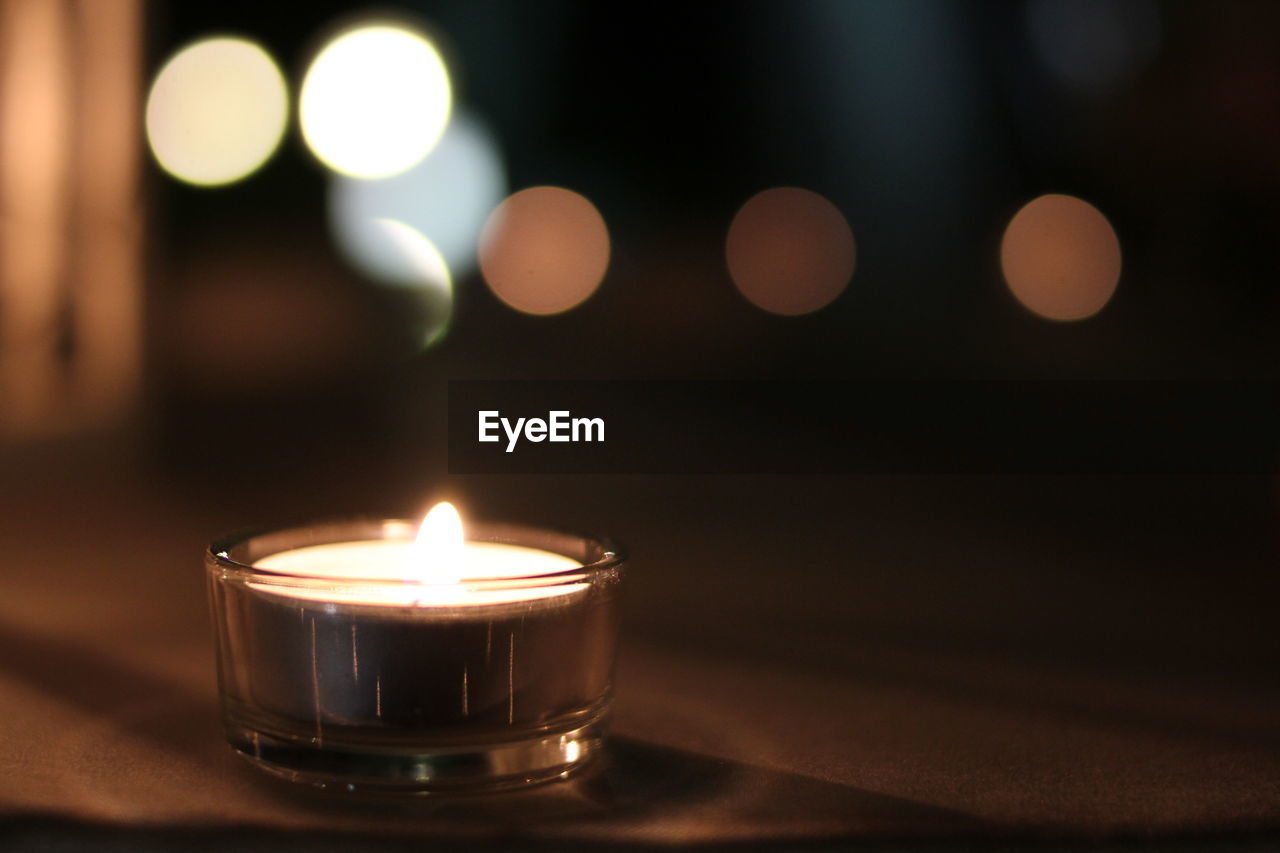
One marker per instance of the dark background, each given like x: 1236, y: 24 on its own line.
x: 927, y: 127
x: 1009, y: 658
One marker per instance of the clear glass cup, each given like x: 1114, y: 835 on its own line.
x: 342, y: 682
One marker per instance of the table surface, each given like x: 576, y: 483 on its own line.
x: 897, y: 662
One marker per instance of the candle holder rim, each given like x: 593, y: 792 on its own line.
x: 218, y: 553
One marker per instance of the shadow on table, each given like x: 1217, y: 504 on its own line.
x: 641, y: 796
x: 108, y: 688
x: 639, y: 791
x: 643, y: 793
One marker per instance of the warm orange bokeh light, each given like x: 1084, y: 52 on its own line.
x: 544, y: 250
x: 1061, y: 258
x: 790, y: 251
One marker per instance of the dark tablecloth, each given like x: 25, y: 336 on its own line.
x: 904, y: 663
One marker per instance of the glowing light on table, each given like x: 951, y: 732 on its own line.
x: 544, y: 250
x: 790, y: 251
x: 446, y: 198
x: 375, y: 101
x: 1061, y: 258
x: 216, y: 111
x: 434, y: 569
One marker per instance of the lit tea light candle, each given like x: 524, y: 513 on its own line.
x: 435, y: 569
x: 370, y: 654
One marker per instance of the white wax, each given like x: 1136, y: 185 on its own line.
x: 404, y: 576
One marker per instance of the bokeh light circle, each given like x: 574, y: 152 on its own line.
x: 423, y: 269
x: 544, y: 250
x: 446, y: 197
x: 1094, y: 45
x: 375, y: 100
x: 216, y: 111
x: 790, y: 251
x: 1061, y: 257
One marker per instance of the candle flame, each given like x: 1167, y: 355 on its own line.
x: 438, y: 549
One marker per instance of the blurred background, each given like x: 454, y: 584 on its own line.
x: 251, y: 233
x: 245, y: 246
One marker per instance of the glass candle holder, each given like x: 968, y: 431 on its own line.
x: 375, y: 683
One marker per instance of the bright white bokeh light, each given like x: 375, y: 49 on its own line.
x: 216, y: 111
x: 414, y: 258
x: 375, y: 100
x: 446, y: 197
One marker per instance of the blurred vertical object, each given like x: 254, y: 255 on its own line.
x: 70, y: 214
